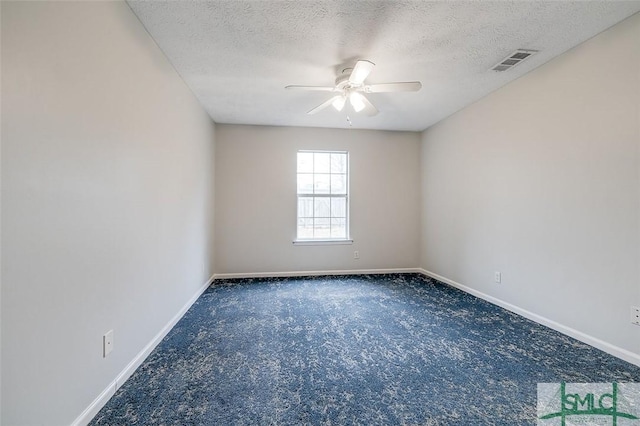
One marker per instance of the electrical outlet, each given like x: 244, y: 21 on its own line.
x: 497, y: 277
x: 635, y: 315
x: 356, y: 254
x: 107, y: 343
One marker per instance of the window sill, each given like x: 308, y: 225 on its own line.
x: 321, y: 242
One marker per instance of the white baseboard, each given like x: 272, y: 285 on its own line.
x: 316, y: 273
x: 93, y: 408
x: 616, y: 351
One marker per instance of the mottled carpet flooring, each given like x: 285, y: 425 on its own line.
x: 368, y: 350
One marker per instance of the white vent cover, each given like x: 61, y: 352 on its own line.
x: 513, y: 59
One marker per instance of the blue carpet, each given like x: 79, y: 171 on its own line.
x: 369, y: 350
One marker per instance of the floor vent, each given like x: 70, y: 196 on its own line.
x: 514, y: 59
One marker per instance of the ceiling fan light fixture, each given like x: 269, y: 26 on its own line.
x: 338, y: 103
x: 357, y: 102
x: 351, y: 84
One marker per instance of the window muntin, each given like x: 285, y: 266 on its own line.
x: 323, y: 186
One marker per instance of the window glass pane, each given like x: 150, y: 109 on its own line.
x: 338, y: 228
x: 322, y: 228
x: 322, y: 207
x: 322, y: 162
x: 321, y: 183
x: 305, y: 207
x: 305, y: 184
x: 305, y: 162
x: 305, y: 228
x: 338, y: 163
x: 338, y: 184
x: 322, y: 186
x: 338, y: 207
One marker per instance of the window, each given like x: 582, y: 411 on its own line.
x: 323, y: 195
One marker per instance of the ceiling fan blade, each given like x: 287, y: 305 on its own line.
x: 313, y: 88
x: 324, y: 105
x: 369, y: 109
x: 408, y: 86
x: 360, y: 72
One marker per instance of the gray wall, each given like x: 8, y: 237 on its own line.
x: 540, y: 180
x: 256, y: 199
x: 107, y: 191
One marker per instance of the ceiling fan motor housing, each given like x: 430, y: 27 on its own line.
x: 342, y: 81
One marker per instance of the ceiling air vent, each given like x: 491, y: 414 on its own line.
x: 514, y: 59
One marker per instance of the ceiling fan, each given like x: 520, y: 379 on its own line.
x: 350, y: 85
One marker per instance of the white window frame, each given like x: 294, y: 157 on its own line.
x: 346, y: 196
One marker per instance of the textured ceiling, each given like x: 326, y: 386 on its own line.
x: 237, y: 56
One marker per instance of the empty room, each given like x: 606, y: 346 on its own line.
x: 269, y: 212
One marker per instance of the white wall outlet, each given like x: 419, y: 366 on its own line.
x: 107, y: 343
x: 356, y: 254
x: 635, y: 315
x: 497, y: 277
